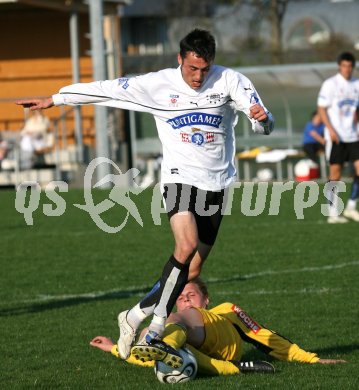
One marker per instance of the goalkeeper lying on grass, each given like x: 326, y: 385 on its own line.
x: 214, y: 336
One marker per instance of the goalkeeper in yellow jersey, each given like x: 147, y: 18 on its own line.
x: 215, y: 337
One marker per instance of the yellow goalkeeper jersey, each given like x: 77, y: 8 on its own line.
x: 227, y: 326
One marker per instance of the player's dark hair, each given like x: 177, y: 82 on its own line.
x: 201, y: 285
x: 346, y: 56
x: 201, y: 42
x: 314, y: 113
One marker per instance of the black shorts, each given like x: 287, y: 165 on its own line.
x: 206, y: 206
x: 311, y: 150
x: 344, y: 151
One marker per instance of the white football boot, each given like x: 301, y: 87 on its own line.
x: 127, y: 336
x: 337, y: 219
x: 351, y: 214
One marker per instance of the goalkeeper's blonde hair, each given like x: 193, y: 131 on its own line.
x: 201, y: 285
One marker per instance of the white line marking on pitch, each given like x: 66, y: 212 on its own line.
x: 137, y: 290
x: 285, y: 271
x: 323, y: 290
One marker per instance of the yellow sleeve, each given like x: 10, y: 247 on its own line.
x: 264, y: 339
x: 299, y: 355
x: 131, y: 359
x: 210, y: 366
x: 114, y: 351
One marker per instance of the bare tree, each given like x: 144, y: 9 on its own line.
x: 199, y: 8
x: 276, y: 13
x: 271, y: 10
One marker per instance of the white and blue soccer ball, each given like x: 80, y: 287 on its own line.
x: 185, y: 373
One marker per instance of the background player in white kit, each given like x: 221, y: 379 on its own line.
x: 195, y: 107
x: 338, y: 106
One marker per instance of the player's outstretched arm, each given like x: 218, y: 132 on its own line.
x: 107, y: 345
x: 103, y: 343
x: 36, y: 104
x: 331, y: 361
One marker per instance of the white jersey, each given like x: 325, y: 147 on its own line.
x: 341, y: 98
x: 196, y: 127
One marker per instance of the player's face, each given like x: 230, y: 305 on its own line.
x: 346, y: 69
x: 316, y: 120
x: 194, y: 69
x: 191, y: 297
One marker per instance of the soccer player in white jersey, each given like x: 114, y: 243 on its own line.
x: 338, y: 106
x: 195, y: 108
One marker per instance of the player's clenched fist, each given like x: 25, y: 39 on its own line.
x: 258, y: 113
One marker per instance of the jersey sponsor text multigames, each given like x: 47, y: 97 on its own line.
x: 196, y: 118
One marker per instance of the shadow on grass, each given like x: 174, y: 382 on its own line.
x: 59, y: 303
x: 324, y: 353
x: 52, y: 304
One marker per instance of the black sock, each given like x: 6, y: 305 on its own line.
x: 148, y: 303
x: 174, y: 278
x: 355, y: 188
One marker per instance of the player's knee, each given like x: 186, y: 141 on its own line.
x: 186, y: 248
x: 173, y: 318
x: 187, y: 318
x: 335, y: 174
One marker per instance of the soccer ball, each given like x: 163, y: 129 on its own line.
x: 186, y: 372
x: 265, y: 174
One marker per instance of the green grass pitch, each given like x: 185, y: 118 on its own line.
x: 63, y: 281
